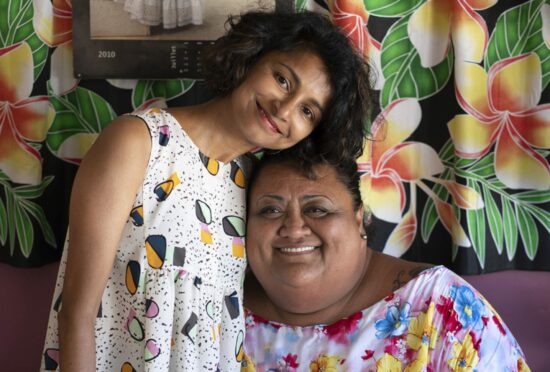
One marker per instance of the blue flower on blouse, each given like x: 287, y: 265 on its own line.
x: 468, y: 307
x: 395, y: 323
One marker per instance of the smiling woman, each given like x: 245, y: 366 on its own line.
x: 317, y: 297
x: 151, y: 278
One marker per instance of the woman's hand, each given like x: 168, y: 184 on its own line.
x: 102, y: 197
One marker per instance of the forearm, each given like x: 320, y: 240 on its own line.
x: 76, y: 343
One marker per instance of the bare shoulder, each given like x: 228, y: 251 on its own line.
x: 405, y: 271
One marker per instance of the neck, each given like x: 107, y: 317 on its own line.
x: 211, y: 126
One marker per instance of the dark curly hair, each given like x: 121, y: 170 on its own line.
x: 344, y: 124
x: 304, y: 159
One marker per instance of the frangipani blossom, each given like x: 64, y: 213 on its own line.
x: 22, y: 118
x: 388, y: 162
x: 436, y: 22
x: 352, y: 17
x: 502, y: 108
x: 52, y: 22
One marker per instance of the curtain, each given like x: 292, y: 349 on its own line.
x: 455, y: 171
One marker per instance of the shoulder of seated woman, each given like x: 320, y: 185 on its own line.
x: 406, y: 271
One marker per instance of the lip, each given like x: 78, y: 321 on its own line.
x: 267, y: 120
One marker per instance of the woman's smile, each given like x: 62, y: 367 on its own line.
x: 267, y: 120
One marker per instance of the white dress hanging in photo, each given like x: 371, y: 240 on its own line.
x: 168, y: 13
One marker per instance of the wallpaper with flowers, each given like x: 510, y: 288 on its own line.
x: 455, y: 171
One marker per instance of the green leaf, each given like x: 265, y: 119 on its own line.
x: 485, y: 167
x: 542, y: 215
x: 464, y: 163
x: 168, y: 89
x: 495, y: 182
x: 510, y: 228
x: 476, y: 226
x: 403, y: 73
x: 447, y: 152
x: 494, y: 219
x: 80, y: 111
x: 3, y: 223
x: 429, y: 213
x: 518, y: 31
x: 33, y: 191
x: 391, y: 8
x: 528, y: 232
x: 25, y: 233
x: 36, y: 211
x: 534, y: 197
x: 16, y: 27
x: 300, y: 5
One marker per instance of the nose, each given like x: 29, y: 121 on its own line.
x: 283, y: 107
x: 294, y: 226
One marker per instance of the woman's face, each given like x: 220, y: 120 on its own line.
x: 303, y: 238
x: 282, y: 98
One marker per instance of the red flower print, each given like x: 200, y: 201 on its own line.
x: 290, y: 361
x: 337, y: 331
x: 368, y: 354
x: 450, y: 317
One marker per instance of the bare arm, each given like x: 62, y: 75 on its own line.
x: 103, y: 193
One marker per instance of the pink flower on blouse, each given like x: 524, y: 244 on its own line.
x: 338, y: 331
x: 450, y: 317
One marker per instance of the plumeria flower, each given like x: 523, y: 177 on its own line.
x: 22, y: 118
x: 436, y: 22
x: 545, y: 14
x: 388, y: 161
x: 395, y: 323
x: 352, y: 18
x: 502, y: 108
x: 52, y: 22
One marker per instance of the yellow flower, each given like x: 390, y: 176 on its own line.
x: 465, y: 357
x: 421, y: 336
x: 325, y: 363
x: 388, y: 363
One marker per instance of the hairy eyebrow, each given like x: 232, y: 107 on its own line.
x: 296, y: 78
x: 281, y: 199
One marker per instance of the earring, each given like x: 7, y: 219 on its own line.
x: 364, y: 236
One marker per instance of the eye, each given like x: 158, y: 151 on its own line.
x: 270, y: 211
x: 282, y: 81
x: 308, y: 113
x: 315, y: 211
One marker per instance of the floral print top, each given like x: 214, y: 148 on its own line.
x: 435, y: 322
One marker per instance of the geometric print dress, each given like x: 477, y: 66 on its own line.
x: 173, y: 300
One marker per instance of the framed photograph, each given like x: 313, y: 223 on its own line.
x: 151, y: 39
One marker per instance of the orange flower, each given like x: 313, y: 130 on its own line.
x: 502, y: 108
x: 436, y: 22
x: 22, y: 118
x: 352, y: 17
x: 52, y: 23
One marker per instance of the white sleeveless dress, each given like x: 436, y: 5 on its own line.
x: 173, y: 301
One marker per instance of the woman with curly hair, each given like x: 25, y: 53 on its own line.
x: 151, y: 276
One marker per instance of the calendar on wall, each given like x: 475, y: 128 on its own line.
x: 151, y: 39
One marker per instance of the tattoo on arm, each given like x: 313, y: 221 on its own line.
x: 398, y: 282
x: 401, y: 279
x: 417, y: 270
